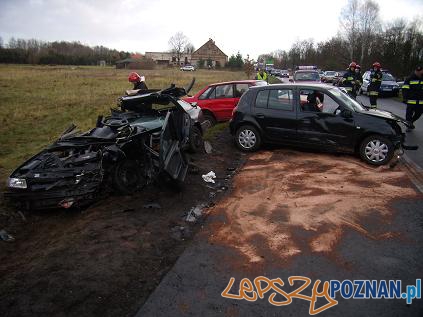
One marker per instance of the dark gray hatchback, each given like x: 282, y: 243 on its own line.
x: 316, y: 116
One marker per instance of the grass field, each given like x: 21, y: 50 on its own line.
x: 38, y: 102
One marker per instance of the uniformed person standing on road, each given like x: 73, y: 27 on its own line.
x: 374, y: 85
x: 412, y: 93
x: 348, y: 82
x: 261, y: 75
x: 358, y: 78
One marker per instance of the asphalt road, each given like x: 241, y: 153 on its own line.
x: 325, y: 218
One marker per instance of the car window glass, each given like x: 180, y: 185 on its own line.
x: 240, y: 89
x: 280, y: 99
x: 261, y: 99
x: 224, y: 91
x: 205, y: 93
x: 311, y: 100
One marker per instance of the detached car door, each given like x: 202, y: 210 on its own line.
x: 321, y: 121
x: 173, y: 139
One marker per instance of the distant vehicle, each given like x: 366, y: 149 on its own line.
x: 338, y: 77
x: 316, y: 116
x: 311, y: 76
x: 187, y: 68
x: 276, y: 72
x: 389, y: 86
x: 329, y: 76
x: 308, y: 67
x: 284, y: 73
x: 217, y: 101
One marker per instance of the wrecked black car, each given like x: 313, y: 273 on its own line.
x: 141, y: 141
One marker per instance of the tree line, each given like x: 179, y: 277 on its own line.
x: 21, y: 51
x: 363, y: 38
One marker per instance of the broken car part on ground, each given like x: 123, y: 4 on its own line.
x: 147, y: 137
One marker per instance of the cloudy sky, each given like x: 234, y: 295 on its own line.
x: 251, y: 27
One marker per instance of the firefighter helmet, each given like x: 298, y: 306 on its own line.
x: 376, y: 64
x: 134, y: 77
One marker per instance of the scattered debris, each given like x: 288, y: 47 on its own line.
x: 194, y: 213
x: 207, y: 147
x: 209, y: 177
x: 152, y: 206
x: 20, y: 213
x: 5, y: 236
x: 180, y: 233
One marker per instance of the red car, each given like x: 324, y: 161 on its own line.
x: 218, y: 100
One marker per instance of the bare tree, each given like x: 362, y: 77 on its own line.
x: 369, y: 25
x: 189, y: 48
x: 349, y: 21
x: 177, y: 45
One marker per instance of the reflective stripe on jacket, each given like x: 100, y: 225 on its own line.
x: 412, y: 90
x: 264, y: 77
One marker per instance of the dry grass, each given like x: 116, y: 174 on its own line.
x: 38, y: 102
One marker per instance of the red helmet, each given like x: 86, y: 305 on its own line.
x: 134, y: 77
x: 352, y: 64
x: 376, y: 64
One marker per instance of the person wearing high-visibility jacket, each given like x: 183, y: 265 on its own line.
x: 261, y: 75
x: 374, y: 85
x: 412, y: 93
x: 349, y: 79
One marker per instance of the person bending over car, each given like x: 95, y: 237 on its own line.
x: 138, y: 81
x: 412, y: 93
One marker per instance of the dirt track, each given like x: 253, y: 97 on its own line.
x: 106, y: 260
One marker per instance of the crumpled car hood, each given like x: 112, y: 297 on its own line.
x: 384, y: 114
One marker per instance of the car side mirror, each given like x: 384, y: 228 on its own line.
x: 346, y: 113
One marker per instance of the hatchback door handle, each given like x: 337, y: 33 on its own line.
x: 260, y: 115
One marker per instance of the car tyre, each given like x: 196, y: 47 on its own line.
x: 127, y: 177
x: 209, y: 120
x: 196, y: 142
x: 376, y: 150
x: 247, y: 138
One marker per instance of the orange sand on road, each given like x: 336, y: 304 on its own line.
x: 288, y: 203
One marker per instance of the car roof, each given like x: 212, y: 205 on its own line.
x: 306, y: 71
x: 295, y: 85
x: 247, y: 81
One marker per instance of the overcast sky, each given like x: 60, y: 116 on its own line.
x: 251, y: 27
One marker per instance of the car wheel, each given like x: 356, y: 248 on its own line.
x: 247, y: 138
x: 127, y: 177
x: 196, y: 143
x: 376, y: 150
x: 209, y: 120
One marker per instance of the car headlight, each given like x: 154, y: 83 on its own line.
x: 17, y: 183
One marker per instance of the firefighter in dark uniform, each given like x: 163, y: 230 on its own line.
x: 348, y: 82
x: 138, y: 81
x: 358, y: 78
x: 412, y: 93
x: 374, y: 85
